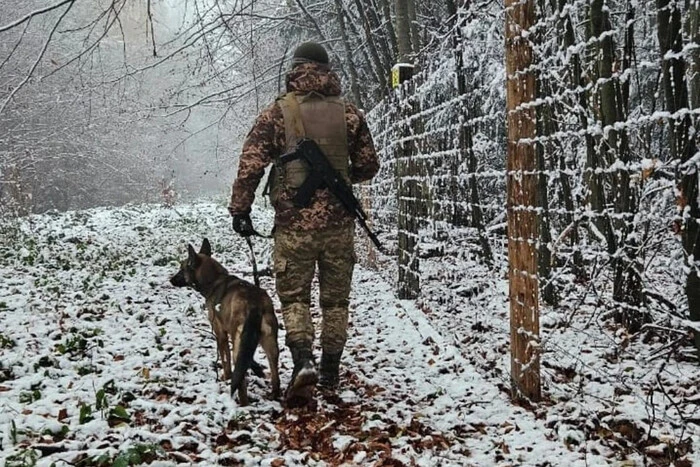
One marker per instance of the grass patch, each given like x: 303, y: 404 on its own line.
x: 45, y: 362
x: 27, y: 397
x: 6, y: 342
x: 138, y: 454
x: 24, y: 458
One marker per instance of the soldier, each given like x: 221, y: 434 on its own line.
x: 320, y: 235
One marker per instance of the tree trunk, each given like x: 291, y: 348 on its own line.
x: 611, y: 108
x: 681, y: 143
x: 607, y: 99
x: 544, y: 267
x: 451, y: 12
x: 467, y: 144
x: 386, y: 11
x: 546, y: 126
x: 350, y: 64
x: 627, y: 285
x: 692, y: 27
x: 522, y: 199
x: 377, y: 28
x: 692, y: 236
x: 603, y: 104
x: 415, y: 37
x: 673, y: 68
x: 403, y: 32
x: 381, y: 68
x: 458, y: 216
x: 575, y: 81
x: 372, y: 72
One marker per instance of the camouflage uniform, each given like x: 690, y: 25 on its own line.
x: 320, y: 234
x: 295, y: 256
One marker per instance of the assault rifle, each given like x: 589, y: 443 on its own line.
x: 321, y: 174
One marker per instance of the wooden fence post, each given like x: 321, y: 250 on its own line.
x: 522, y: 202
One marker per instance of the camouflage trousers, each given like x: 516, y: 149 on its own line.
x: 297, y: 254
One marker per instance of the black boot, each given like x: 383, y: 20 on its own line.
x: 304, y: 377
x: 330, y: 369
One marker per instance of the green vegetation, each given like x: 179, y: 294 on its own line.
x: 24, y: 458
x: 6, y: 342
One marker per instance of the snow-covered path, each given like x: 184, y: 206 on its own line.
x: 427, y: 379
x: 104, y: 363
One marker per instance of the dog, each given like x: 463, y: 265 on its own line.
x: 236, y: 309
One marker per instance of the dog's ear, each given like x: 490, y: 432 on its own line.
x: 206, y: 248
x: 191, y: 255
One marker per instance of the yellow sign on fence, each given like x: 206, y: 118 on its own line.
x: 400, y: 73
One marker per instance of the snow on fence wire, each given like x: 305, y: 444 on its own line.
x: 616, y: 138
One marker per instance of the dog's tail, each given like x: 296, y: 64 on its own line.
x: 250, y: 336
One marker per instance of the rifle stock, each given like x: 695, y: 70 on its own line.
x: 321, y: 174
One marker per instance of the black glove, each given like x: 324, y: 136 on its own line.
x: 243, y: 225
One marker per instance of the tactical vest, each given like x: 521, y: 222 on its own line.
x: 315, y: 116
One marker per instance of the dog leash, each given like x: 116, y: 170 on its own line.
x: 256, y: 278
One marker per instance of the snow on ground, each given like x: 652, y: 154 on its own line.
x: 630, y: 397
x: 104, y: 363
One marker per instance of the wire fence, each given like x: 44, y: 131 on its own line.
x: 611, y: 150
x: 616, y: 137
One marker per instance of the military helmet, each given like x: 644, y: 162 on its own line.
x: 310, y: 52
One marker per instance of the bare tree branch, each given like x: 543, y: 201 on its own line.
x: 17, y: 44
x: 320, y: 33
x: 95, y: 43
x: 38, y: 59
x: 150, y: 22
x: 34, y: 13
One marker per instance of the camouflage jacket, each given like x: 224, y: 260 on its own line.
x: 266, y: 141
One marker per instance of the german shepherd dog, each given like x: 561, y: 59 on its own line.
x: 238, y: 309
